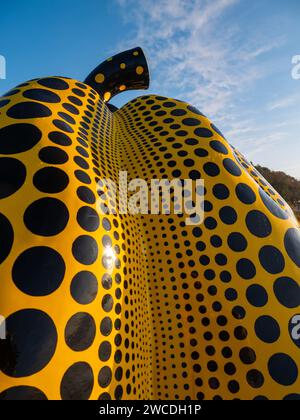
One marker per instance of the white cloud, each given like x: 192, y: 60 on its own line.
x: 284, y: 102
x: 194, y: 52
x: 263, y: 49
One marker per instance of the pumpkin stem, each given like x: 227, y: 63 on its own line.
x: 125, y: 71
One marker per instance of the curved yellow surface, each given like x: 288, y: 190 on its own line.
x: 139, y: 307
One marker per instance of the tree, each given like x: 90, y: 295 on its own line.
x: 287, y: 186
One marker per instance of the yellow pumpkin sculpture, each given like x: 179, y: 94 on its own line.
x: 124, y: 306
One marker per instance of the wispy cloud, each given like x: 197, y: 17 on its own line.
x: 189, y: 49
x: 195, y: 52
x: 264, y: 49
x: 284, y: 102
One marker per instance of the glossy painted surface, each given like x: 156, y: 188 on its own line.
x: 138, y: 307
x: 125, y: 71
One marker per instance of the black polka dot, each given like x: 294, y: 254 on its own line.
x: 232, y: 167
x: 271, y: 259
x: 245, y: 194
x: 66, y: 117
x: 42, y: 95
x: 260, y: 398
x: 228, y: 215
x: 62, y: 125
x: 189, y: 163
x: 207, y: 205
x: 194, y: 110
x: 221, y: 259
x: 203, y: 132
x: 231, y: 295
x: 86, y: 195
x: 211, y: 169
x: 12, y: 92
x: 23, y: 393
x: 60, y: 138
x: 237, y: 242
x: 38, y: 271
x: 272, y: 206
x: 233, y: 387
x: 88, y: 219
x: 53, y: 156
x: 217, y: 131
x: 197, y: 232
x: 287, y: 291
x: 246, y: 269
x: 107, y: 303
x: 106, y: 326
x: 218, y: 147
x: 238, y: 312
x: 191, y: 142
x: 257, y: 295
x: 267, y: 329
x: 105, y: 395
x: 50, y: 180
x: 80, y: 331
x: 105, y: 351
x: 107, y: 281
x: 240, y: 333
x: 255, y: 378
x: 12, y: 176
x: 4, y: 102
x: 71, y: 108
x: 46, y: 217
x: 201, y: 152
x: 22, y: 356
x: 178, y: 112
x: 82, y: 151
x: 292, y: 397
x: 210, y: 223
x: 82, y: 163
x: 247, y: 356
x: 221, y: 192
x: 78, y: 92
x: 119, y: 373
x: 118, y: 392
x: 105, y: 377
x: 83, y: 177
x: 84, y: 287
x: 85, y: 250
x: 77, y: 383
x: 6, y: 238
x: 195, y: 175
x: 216, y: 241
x: 292, y: 245
x: 106, y: 224
x: 167, y: 104
x: 191, y: 122
x: 54, y: 83
x: 18, y: 138
x: 75, y: 100
x: 283, y: 369
x: 258, y: 224
x: 214, y: 383
x: 25, y: 110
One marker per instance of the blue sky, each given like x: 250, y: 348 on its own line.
x: 230, y: 58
